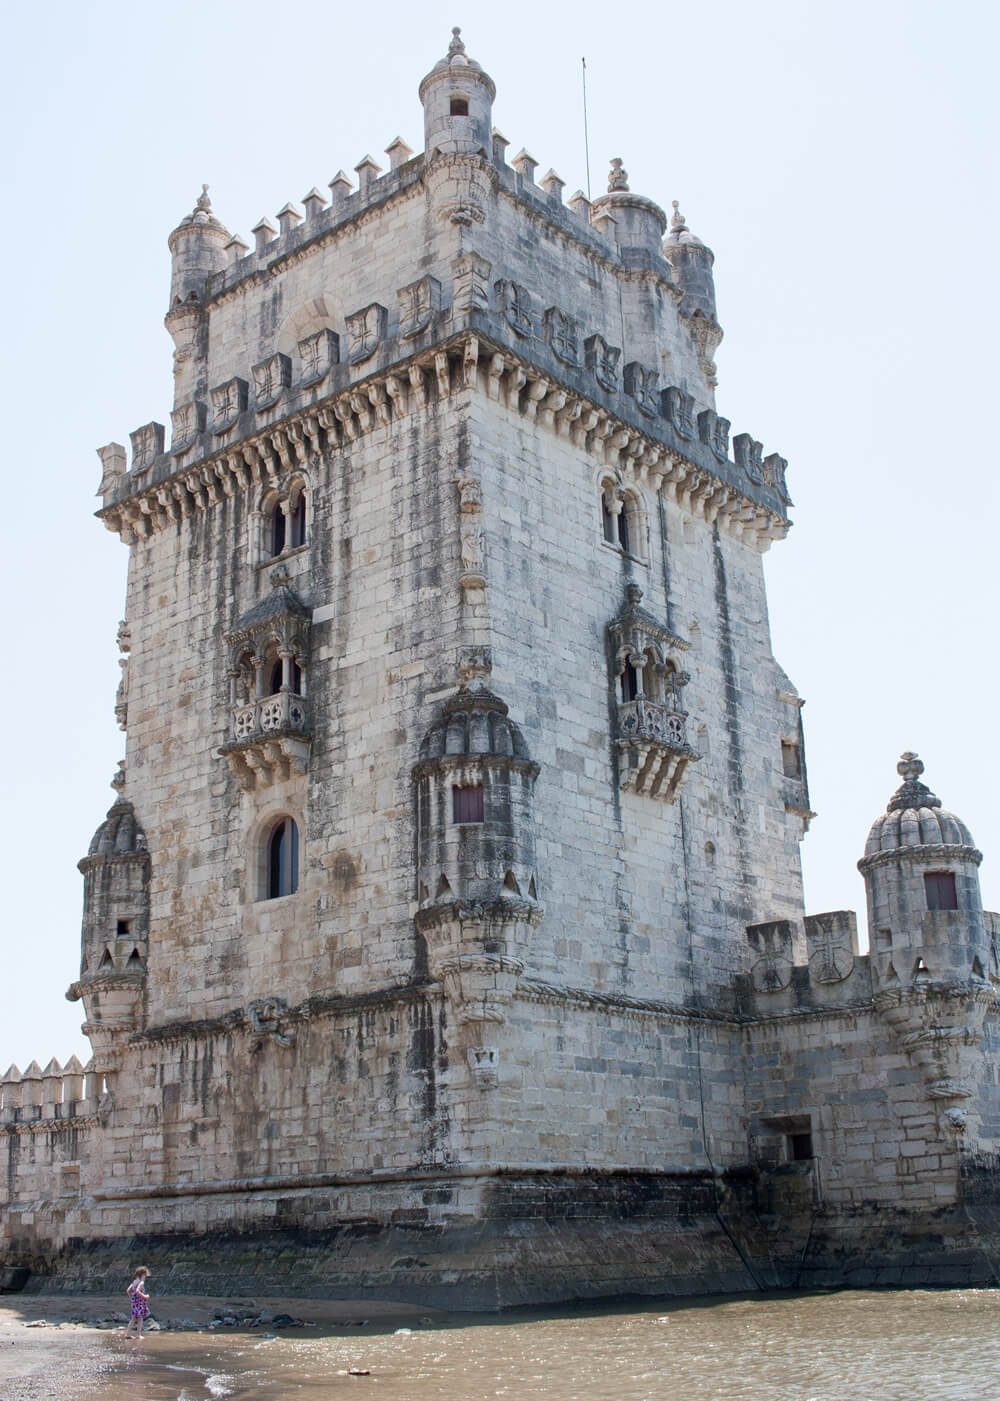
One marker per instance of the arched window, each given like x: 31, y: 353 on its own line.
x: 282, y: 859
x: 277, y: 529
x: 459, y: 107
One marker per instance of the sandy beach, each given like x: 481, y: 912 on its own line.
x: 50, y: 1347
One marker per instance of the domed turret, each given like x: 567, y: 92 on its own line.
x: 197, y: 251
x: 925, y: 913
x: 457, y: 97
x: 691, y: 262
x: 639, y: 222
x: 477, y: 891
x: 474, y: 821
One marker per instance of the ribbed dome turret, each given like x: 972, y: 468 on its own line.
x: 474, y: 722
x: 457, y: 97
x: 119, y: 834
x: 914, y: 817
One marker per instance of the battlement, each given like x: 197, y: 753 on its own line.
x: 36, y: 1100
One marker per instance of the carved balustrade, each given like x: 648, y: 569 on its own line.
x: 645, y: 719
x: 268, y: 715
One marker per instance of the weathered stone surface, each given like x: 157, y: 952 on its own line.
x: 446, y: 938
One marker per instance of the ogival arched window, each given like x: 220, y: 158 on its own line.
x: 282, y: 856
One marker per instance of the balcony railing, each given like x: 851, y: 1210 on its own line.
x: 269, y: 715
x: 645, y: 719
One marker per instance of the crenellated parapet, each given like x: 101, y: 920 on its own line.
x: 650, y: 436
x: 58, y: 1097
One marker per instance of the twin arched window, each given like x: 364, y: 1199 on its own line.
x: 282, y: 856
x: 287, y: 525
x: 621, y: 519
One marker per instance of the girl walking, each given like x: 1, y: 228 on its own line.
x: 140, y: 1302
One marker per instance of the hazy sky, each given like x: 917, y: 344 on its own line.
x: 839, y: 159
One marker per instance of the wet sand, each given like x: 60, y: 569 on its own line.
x: 66, y: 1360
x: 908, y: 1345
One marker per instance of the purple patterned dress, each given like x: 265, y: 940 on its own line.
x: 140, y: 1308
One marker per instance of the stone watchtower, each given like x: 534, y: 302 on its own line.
x: 451, y: 902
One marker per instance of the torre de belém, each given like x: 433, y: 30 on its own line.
x: 445, y: 939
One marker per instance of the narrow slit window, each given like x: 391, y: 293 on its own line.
x: 630, y: 683
x: 277, y: 530
x: 940, y: 890
x: 608, y: 524
x: 468, y: 804
x: 623, y: 530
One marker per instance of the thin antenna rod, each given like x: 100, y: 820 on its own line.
x: 586, y: 134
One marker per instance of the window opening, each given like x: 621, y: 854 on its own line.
x: 274, y: 686
x: 283, y: 860
x: 277, y: 530
x: 791, y: 759
x: 800, y: 1147
x: 459, y: 106
x: 630, y: 682
x: 122, y: 928
x: 298, y: 522
x: 468, y: 804
x: 939, y: 887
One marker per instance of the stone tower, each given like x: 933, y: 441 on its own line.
x: 448, y: 923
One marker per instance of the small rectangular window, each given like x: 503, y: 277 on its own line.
x: 800, y: 1147
x: 122, y: 929
x: 791, y: 759
x: 459, y: 107
x: 940, y: 889
x: 467, y: 804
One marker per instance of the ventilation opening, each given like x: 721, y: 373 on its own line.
x: 106, y: 961
x: 122, y: 928
x: 977, y: 969
x: 134, y: 960
x: 531, y: 889
x: 709, y: 853
x: 443, y: 887
x: 920, y: 969
x: 510, y: 883
x: 459, y: 107
x: 800, y: 1146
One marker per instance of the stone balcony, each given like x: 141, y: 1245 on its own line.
x: 653, y: 748
x: 270, y: 739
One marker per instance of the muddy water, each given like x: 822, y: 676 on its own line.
x: 852, y: 1346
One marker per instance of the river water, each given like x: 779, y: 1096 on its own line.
x: 917, y: 1345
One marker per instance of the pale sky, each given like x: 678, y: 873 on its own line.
x: 839, y: 159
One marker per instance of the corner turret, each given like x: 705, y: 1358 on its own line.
x: 197, y: 249
x: 638, y: 222
x: 921, y: 872
x: 692, y: 264
x: 115, y: 931
x: 457, y: 97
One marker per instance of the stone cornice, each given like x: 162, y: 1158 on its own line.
x: 502, y: 763
x: 85, y: 1121
x: 940, y: 851
x: 641, y: 449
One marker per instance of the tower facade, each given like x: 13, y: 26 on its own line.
x: 453, y: 876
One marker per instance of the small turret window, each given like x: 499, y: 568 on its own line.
x: 791, y: 759
x: 283, y: 859
x: 940, y: 889
x: 459, y: 106
x: 467, y: 803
